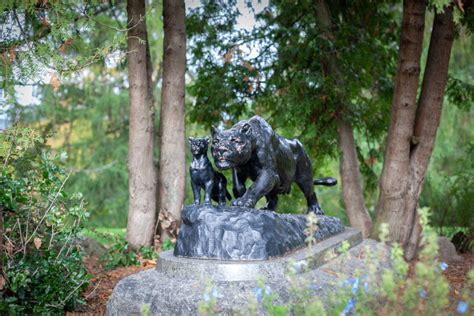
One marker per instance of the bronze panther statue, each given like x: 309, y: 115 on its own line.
x: 253, y: 150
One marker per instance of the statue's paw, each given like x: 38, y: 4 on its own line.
x: 244, y: 202
x: 207, y: 203
x: 316, y: 209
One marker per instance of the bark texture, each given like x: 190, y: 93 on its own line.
x: 430, y: 106
x: 172, y: 171
x: 348, y: 163
x: 394, y: 181
x: 142, y: 174
x: 350, y: 177
x: 413, y: 129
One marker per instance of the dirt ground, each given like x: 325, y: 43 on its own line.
x: 456, y: 274
x: 103, y: 282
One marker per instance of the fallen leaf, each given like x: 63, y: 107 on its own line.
x: 37, y: 242
x: 148, y: 262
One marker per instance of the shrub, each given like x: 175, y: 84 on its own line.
x: 41, y: 267
x: 120, y: 255
x: 450, y: 192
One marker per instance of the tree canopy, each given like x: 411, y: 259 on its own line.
x: 73, y: 54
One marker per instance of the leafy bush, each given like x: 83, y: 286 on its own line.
x: 452, y: 196
x: 41, y: 267
x: 120, y: 255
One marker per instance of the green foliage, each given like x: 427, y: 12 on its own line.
x: 102, y: 234
x: 311, y: 227
x: 120, y: 255
x: 87, y: 111
x: 449, y: 187
x: 460, y: 93
x: 93, y: 125
x: 279, y: 69
x: 41, y: 266
x: 439, y: 5
x: 207, y: 306
x: 88, y: 114
x: 42, y: 41
x: 167, y: 245
x: 210, y: 29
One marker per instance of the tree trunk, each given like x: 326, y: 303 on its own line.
x: 413, y: 131
x: 142, y: 174
x: 395, y: 178
x: 350, y: 177
x: 428, y: 114
x: 172, y: 174
x: 348, y: 163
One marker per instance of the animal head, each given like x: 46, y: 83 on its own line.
x: 198, y: 145
x: 232, y: 147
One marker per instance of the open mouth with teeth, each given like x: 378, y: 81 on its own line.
x: 223, y: 163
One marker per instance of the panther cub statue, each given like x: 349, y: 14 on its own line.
x: 254, y: 151
x: 203, y: 175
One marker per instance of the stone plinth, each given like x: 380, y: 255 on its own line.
x: 238, y: 233
x: 177, y: 285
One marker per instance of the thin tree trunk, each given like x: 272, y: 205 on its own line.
x: 350, y: 176
x: 172, y: 172
x: 348, y: 164
x: 428, y: 114
x: 395, y: 179
x: 142, y: 175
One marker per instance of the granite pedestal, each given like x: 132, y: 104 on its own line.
x: 177, y: 285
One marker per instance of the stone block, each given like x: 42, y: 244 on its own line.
x: 177, y: 285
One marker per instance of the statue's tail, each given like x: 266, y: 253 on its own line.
x: 328, y: 182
